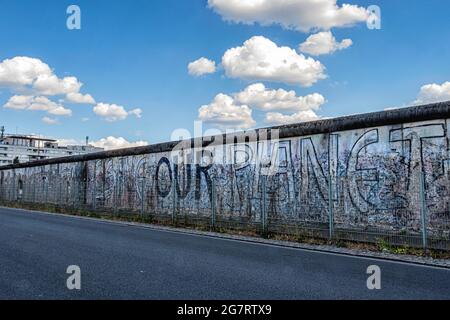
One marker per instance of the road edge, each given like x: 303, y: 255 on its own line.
x: 409, y: 259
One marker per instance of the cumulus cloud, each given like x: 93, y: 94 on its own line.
x: 25, y: 73
x: 51, y: 85
x: 225, y: 113
x: 276, y: 118
x: 50, y: 121
x: 110, y: 112
x: 431, y: 93
x: 69, y: 142
x: 114, y: 112
x: 261, y: 59
x: 303, y: 108
x: 258, y: 96
x: 111, y: 143
x: 76, y: 97
x: 22, y: 71
x: 323, y: 43
x: 235, y: 111
x: 301, y: 15
x: 108, y: 143
x: 18, y: 102
x: 201, y: 66
x: 39, y: 103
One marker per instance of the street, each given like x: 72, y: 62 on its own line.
x: 118, y: 261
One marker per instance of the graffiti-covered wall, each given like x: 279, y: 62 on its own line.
x: 366, y: 169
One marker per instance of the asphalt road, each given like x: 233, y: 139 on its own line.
x: 127, y: 262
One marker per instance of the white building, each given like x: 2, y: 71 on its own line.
x: 24, y: 148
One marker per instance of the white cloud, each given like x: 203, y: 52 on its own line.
x: 136, y: 112
x: 21, y: 71
x: 431, y: 93
x: 51, y: 85
x: 44, y: 104
x: 50, y: 121
x: 323, y: 43
x: 261, y: 59
x: 111, y: 143
x: 301, y: 15
x: 39, y: 103
x: 201, y: 66
x: 108, y: 143
x: 303, y: 108
x: 110, y: 112
x: 37, y: 79
x: 30, y: 74
x: 76, y: 97
x: 60, y: 111
x: 114, y: 112
x: 258, y: 96
x: 69, y: 142
x: 18, y: 102
x: 235, y: 111
x: 225, y: 113
x: 276, y: 118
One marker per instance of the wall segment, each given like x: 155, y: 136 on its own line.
x: 364, y: 172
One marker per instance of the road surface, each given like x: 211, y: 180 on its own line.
x: 129, y: 262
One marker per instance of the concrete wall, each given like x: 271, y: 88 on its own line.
x: 372, y: 163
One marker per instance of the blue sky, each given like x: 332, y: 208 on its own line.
x: 136, y: 54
